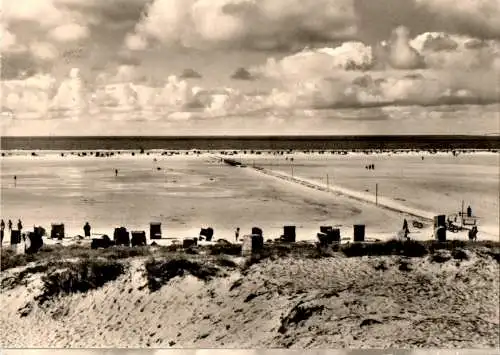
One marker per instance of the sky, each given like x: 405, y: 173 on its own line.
x: 167, y: 67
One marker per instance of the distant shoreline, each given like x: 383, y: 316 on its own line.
x: 361, y: 142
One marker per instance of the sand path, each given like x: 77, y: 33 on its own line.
x: 382, y: 202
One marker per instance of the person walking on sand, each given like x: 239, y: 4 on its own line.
x: 116, y: 172
x: 2, y: 229
x: 19, y: 226
x: 86, y: 229
x: 237, y: 233
x: 10, y: 225
x: 406, y: 230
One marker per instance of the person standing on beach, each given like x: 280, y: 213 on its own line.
x: 116, y: 172
x: 19, y: 226
x: 469, y: 211
x: 2, y: 228
x: 15, y: 180
x: 237, y: 233
x: 86, y: 229
x: 406, y: 230
x: 10, y: 225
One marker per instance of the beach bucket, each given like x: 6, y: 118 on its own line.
x: 359, y: 233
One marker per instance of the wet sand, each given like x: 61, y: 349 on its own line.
x: 188, y: 193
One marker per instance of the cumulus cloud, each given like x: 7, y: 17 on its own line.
x: 43, y: 50
x: 135, y: 42
x: 470, y: 17
x: 401, y: 54
x: 69, y: 32
x: 265, y: 24
x: 444, y: 51
x: 44, y: 13
x: 8, y: 41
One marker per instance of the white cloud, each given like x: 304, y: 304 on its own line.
x: 44, y: 13
x: 8, y: 41
x: 43, y: 50
x: 69, y: 32
x: 256, y: 24
x: 477, y: 16
x: 135, y: 42
x: 448, y: 52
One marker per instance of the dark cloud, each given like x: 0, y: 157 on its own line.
x: 20, y: 65
x: 242, y: 74
x: 190, y: 74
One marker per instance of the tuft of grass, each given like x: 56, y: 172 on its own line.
x: 9, y: 259
x: 224, y: 261
x: 79, y: 277
x: 228, y: 249
x: 19, y: 278
x: 159, y: 272
x: 392, y: 247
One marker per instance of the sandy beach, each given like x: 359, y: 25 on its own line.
x: 440, y: 299
x: 186, y: 192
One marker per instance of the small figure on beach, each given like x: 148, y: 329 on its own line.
x: 15, y: 180
x: 406, y: 230
x: 86, y: 229
x: 237, y: 233
x: 10, y: 225
x: 2, y: 228
x: 473, y: 233
x: 469, y: 211
x: 116, y: 172
x: 19, y: 225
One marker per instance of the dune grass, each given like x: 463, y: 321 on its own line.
x: 159, y: 272
x: 79, y: 277
x: 271, y: 250
x: 10, y: 259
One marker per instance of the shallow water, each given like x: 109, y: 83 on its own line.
x: 185, y: 195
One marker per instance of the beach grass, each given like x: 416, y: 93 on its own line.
x: 52, y: 255
x: 79, y: 277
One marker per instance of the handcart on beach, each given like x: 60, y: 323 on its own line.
x: 460, y: 221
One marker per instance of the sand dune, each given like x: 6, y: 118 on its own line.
x: 295, y: 302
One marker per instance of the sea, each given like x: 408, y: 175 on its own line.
x: 365, y: 142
